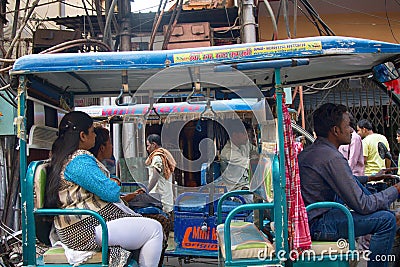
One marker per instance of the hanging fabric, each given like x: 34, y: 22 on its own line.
x: 299, y: 232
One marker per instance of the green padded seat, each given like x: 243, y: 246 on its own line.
x: 247, y: 241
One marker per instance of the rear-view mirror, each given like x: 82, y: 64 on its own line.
x: 385, y: 72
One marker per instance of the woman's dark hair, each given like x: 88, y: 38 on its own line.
x: 327, y: 116
x: 67, y: 142
x: 364, y: 123
x: 154, y: 138
x: 102, y: 136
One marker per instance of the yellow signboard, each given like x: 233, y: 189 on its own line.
x: 247, y: 51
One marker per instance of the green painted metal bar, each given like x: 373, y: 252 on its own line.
x: 225, y: 197
x: 104, y: 234
x: 30, y: 217
x: 280, y: 199
x: 28, y: 259
x: 227, y: 234
x: 350, y: 223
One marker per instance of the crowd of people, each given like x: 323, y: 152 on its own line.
x: 77, y: 178
x: 341, y: 175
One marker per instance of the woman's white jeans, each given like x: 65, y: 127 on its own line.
x: 133, y: 233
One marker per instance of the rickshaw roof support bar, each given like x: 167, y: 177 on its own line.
x: 28, y: 252
x: 79, y: 78
x: 263, y: 65
x: 281, y: 222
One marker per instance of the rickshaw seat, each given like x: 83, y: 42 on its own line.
x: 246, y: 242
x: 54, y: 255
x: 36, y: 183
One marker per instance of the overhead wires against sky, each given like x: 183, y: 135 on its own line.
x: 390, y: 25
x: 359, y: 11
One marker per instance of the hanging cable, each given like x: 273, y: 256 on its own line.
x: 73, y: 43
x: 107, y: 38
x: 286, y: 17
x: 156, y: 23
x: 99, y: 16
x: 157, y: 13
x: 294, y: 18
x: 229, y: 22
x: 272, y: 15
x: 15, y: 19
x: 19, y: 32
x: 313, y: 89
x: 9, y: 100
x: 390, y: 26
x: 172, y: 26
x: 89, y: 20
x: 312, y: 17
x: 171, y: 20
x: 316, y: 16
x: 277, y: 16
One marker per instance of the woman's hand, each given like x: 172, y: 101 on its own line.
x: 130, y: 196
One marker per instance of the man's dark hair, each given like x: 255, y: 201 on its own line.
x: 154, y: 138
x: 102, y: 136
x: 364, y: 123
x: 327, y: 116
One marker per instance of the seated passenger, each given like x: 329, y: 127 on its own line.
x: 325, y: 174
x: 235, y: 158
x: 77, y: 180
x: 102, y: 150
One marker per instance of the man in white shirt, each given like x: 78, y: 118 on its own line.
x: 161, y: 167
x: 235, y: 159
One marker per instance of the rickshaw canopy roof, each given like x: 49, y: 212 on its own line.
x: 100, y: 72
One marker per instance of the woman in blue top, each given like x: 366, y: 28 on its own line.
x: 77, y: 180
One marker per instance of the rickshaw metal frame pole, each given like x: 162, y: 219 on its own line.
x: 28, y: 253
x: 281, y: 224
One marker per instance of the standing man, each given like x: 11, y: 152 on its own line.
x: 161, y: 167
x: 353, y: 152
x: 373, y: 162
x: 326, y: 174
